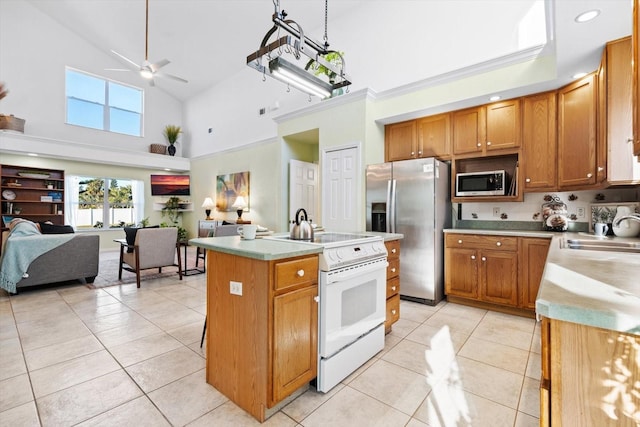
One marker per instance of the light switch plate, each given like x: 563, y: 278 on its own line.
x: 235, y: 288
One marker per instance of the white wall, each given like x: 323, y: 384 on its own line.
x: 35, y: 50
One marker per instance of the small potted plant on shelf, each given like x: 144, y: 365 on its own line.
x: 171, y: 132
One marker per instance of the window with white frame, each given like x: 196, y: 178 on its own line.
x: 103, y: 203
x: 99, y: 103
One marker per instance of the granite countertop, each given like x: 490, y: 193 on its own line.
x: 595, y: 288
x: 267, y: 249
x: 261, y: 249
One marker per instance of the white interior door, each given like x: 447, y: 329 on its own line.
x: 303, y: 189
x: 341, y: 189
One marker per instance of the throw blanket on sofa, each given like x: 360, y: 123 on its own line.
x: 25, y: 244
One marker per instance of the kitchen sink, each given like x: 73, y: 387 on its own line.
x: 602, y: 245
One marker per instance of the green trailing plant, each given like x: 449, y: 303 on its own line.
x: 332, y: 57
x: 171, y: 132
x: 171, y: 209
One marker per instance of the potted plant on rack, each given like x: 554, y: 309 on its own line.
x: 172, y: 210
x: 171, y: 132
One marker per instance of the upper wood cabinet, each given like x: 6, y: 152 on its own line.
x: 469, y: 127
x: 615, y: 113
x: 434, y: 136
x: 539, y: 148
x: 400, y: 141
x: 636, y: 76
x: 487, y: 128
x: 503, y: 125
x: 577, y: 134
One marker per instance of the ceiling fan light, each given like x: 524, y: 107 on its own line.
x: 145, y: 73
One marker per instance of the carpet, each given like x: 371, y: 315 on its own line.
x: 108, y: 270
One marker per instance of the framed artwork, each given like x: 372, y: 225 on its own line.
x: 228, y: 188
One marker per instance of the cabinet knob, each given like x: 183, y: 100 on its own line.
x: 498, y: 243
x: 413, y: 153
x: 527, y: 180
x: 393, y: 288
x: 484, y: 258
x: 600, y: 168
x: 460, y: 241
x: 488, y: 143
x: 393, y: 251
x: 316, y: 298
x: 479, y: 144
x: 420, y: 152
x: 300, y: 273
x: 393, y: 312
x: 589, y: 175
x: 473, y: 257
x: 393, y: 270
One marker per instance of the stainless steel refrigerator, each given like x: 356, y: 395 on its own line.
x: 412, y: 197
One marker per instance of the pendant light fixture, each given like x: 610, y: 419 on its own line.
x: 316, y: 76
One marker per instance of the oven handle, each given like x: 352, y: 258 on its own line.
x: 350, y: 273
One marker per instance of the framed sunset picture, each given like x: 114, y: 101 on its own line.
x: 170, y: 185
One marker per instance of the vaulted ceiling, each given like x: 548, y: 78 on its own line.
x: 387, y: 43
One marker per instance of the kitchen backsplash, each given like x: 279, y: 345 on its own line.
x: 530, y: 210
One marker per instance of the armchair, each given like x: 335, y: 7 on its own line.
x: 153, y: 248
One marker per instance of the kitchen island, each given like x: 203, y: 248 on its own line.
x: 589, y: 302
x: 262, y: 322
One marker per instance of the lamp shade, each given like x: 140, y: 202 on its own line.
x: 208, y: 203
x: 240, y: 203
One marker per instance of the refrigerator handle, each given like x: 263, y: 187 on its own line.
x: 392, y: 207
x: 387, y: 213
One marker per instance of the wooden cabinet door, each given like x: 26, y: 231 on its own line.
x: 533, y: 255
x: 636, y: 76
x: 499, y: 277
x: 461, y: 272
x: 469, y: 130
x: 400, y: 141
x: 539, y: 158
x: 503, y: 125
x: 295, y: 340
x: 434, y: 136
x: 577, y: 134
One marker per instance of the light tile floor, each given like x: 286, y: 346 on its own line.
x: 125, y: 356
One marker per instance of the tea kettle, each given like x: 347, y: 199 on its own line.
x: 301, y: 229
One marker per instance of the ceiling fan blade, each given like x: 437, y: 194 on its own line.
x: 135, y: 66
x: 116, y: 69
x: 156, y: 66
x: 171, y: 76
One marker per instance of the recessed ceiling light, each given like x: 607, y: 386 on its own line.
x: 579, y: 75
x: 587, y: 16
x: 32, y: 154
x: 167, y: 169
x: 494, y: 98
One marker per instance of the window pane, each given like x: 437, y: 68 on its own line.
x: 125, y: 98
x: 124, y: 122
x: 85, y: 113
x: 85, y: 87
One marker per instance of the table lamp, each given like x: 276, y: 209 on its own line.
x: 208, y: 205
x: 240, y: 203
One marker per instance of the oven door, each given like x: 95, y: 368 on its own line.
x: 352, y: 303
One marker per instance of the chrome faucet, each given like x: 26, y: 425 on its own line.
x: 635, y: 217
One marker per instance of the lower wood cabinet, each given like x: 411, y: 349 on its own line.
x: 261, y: 345
x: 500, y: 270
x: 393, y: 284
x: 587, y: 376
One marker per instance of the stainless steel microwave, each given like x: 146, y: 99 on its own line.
x: 487, y: 183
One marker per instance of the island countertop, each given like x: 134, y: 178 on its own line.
x: 594, y: 288
x: 261, y: 249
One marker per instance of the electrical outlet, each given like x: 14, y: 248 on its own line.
x: 580, y: 212
x: 235, y: 288
x: 496, y: 211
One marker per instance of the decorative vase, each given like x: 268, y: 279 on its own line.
x: 172, y: 150
x: 627, y: 227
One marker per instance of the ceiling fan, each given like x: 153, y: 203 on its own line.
x: 147, y: 70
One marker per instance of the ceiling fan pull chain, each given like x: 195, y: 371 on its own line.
x: 146, y: 35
